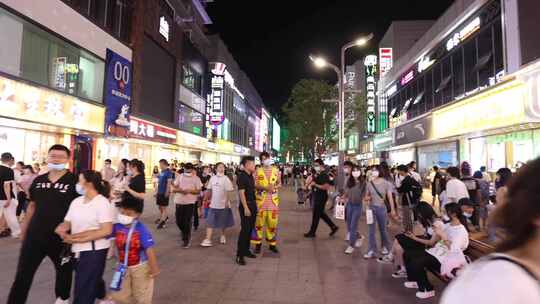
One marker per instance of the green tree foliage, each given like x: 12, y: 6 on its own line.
x: 310, y: 122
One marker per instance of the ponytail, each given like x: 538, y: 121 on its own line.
x: 102, y: 186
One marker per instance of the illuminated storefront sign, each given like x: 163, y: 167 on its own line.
x: 461, y: 35
x: 216, y: 115
x: 230, y: 81
x: 149, y: 131
x: 488, y: 110
x: 224, y: 146
x: 391, y: 90
x: 263, y: 130
x: 385, y: 60
x: 21, y: 101
x: 190, y: 140
x: 424, y: 63
x: 383, y: 141
x: 164, y: 28
x: 407, y: 77
x: 276, y: 135
x: 371, y: 73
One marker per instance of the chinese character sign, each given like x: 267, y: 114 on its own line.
x: 216, y: 115
x: 371, y: 74
x: 117, y: 95
x: 385, y: 60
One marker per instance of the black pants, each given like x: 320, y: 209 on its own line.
x: 409, y: 244
x: 184, y: 214
x: 21, y: 197
x: 319, y: 211
x: 416, y: 263
x: 247, y: 226
x: 89, y: 284
x: 32, y: 254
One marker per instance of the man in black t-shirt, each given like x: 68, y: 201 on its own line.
x: 50, y: 197
x: 8, y: 202
x: 319, y: 186
x: 247, y: 208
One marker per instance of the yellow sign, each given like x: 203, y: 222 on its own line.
x: 190, y: 140
x: 21, y: 101
x: 224, y: 146
x: 499, y: 107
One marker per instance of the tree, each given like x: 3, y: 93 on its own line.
x: 310, y: 122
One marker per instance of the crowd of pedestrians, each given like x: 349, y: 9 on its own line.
x: 77, y: 221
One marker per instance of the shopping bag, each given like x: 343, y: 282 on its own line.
x: 369, y: 216
x: 339, y: 210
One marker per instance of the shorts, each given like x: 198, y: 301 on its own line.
x: 162, y: 200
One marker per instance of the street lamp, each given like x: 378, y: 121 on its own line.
x: 320, y: 62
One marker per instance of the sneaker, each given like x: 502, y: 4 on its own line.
x: 384, y: 251
x: 369, y: 255
x: 359, y: 242
x: 411, y: 285
x: 425, y: 294
x: 206, y: 243
x: 334, y: 230
x: 223, y: 240
x: 309, y: 235
x: 349, y: 250
x: 386, y: 259
x: 60, y: 301
x: 161, y: 225
x: 399, y: 274
x: 186, y: 245
x: 273, y: 248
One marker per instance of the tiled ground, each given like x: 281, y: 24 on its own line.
x: 307, y: 271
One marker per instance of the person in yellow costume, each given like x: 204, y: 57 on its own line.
x: 267, y: 183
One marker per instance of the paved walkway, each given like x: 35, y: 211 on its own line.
x: 307, y: 271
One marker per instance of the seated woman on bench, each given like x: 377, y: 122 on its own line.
x: 450, y: 239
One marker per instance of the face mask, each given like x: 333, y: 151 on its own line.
x: 356, y: 174
x: 129, y: 172
x: 187, y: 173
x: 267, y: 162
x: 467, y: 214
x: 107, y: 165
x: 317, y: 168
x: 375, y: 173
x: 124, y: 219
x: 57, y: 167
x: 80, y: 189
x: 446, y: 218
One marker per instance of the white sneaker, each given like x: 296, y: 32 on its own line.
x: 384, y: 251
x: 359, y: 241
x: 60, y: 301
x: 411, y: 285
x: 206, y: 243
x: 386, y: 259
x: 425, y: 294
x: 223, y: 240
x: 369, y: 255
x: 349, y: 250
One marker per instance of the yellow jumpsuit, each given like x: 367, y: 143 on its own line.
x: 268, y: 211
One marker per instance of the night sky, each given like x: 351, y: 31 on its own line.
x: 271, y: 40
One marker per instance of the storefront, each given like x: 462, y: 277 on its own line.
x: 190, y: 147
x: 367, y: 155
x: 492, y: 131
x: 441, y: 155
x: 148, y: 142
x: 34, y: 118
x: 407, y: 137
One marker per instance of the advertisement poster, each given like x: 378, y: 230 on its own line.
x: 117, y: 95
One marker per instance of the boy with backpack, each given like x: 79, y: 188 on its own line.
x: 410, y: 191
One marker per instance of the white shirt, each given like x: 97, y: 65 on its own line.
x: 88, y: 216
x: 486, y: 177
x: 458, y: 237
x: 416, y: 176
x: 219, y: 185
x: 492, y: 282
x: 456, y: 190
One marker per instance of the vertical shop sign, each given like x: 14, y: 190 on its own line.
x: 385, y: 60
x: 371, y: 73
x: 216, y: 114
x: 117, y: 95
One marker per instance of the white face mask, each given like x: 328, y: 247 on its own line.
x: 57, y: 167
x: 187, y: 173
x: 467, y: 214
x: 356, y: 174
x: 317, y: 168
x: 129, y: 172
x: 124, y: 219
x: 267, y: 162
x: 80, y: 189
x: 375, y: 173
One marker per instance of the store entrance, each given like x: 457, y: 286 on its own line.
x: 82, y: 154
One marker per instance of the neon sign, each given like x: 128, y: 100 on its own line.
x: 407, y: 78
x: 465, y: 32
x: 371, y: 71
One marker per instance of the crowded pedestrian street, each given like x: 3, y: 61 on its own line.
x: 305, y: 271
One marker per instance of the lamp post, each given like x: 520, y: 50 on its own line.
x: 322, y: 63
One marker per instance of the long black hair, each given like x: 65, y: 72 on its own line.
x: 504, y: 176
x: 139, y: 165
x: 454, y: 208
x: 351, y: 181
x: 426, y: 214
x: 101, y: 185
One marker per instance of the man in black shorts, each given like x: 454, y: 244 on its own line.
x: 164, y: 192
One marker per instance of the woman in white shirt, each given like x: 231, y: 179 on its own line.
x: 89, y: 222
x: 452, y: 238
x: 512, y: 274
x: 220, y: 215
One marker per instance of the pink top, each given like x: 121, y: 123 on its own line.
x: 185, y: 182
x: 26, y: 181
